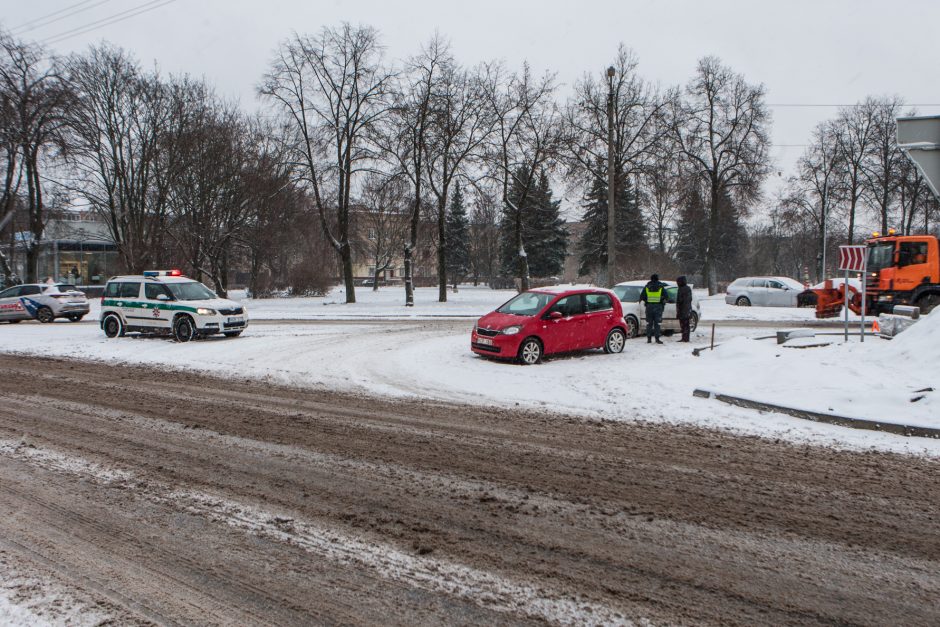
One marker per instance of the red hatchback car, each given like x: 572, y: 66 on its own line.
x: 551, y: 320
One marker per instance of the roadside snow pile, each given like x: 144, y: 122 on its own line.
x: 885, y: 381
x: 918, y: 347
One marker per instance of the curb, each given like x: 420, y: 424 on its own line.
x: 832, y: 419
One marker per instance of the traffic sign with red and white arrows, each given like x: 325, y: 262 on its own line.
x: 852, y: 258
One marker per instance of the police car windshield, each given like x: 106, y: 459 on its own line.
x: 190, y: 290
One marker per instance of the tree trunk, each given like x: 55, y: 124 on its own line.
x: 441, y: 249
x: 710, y: 271
x: 348, y: 278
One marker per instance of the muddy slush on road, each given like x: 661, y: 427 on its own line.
x: 174, y: 498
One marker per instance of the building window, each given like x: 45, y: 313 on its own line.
x: 373, y: 235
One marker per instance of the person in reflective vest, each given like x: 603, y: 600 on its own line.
x: 654, y: 295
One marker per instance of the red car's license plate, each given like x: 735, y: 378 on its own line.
x: 485, y: 340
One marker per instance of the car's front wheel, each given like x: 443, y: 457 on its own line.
x: 184, y: 329
x: 45, y: 315
x: 530, y: 351
x: 232, y: 333
x: 112, y: 326
x: 693, y: 322
x: 75, y: 317
x: 743, y: 301
x: 633, y: 327
x: 615, y: 341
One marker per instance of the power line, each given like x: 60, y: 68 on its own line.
x: 107, y: 21
x: 792, y: 104
x: 56, y: 16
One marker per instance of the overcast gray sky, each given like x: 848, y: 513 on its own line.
x: 805, y: 52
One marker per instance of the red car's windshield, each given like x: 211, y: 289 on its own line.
x: 526, y: 304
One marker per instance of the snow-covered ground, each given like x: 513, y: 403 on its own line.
x: 432, y: 360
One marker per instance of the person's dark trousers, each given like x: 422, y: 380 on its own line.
x: 684, y: 326
x: 654, y: 318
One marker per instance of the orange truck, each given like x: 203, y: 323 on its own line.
x: 902, y: 270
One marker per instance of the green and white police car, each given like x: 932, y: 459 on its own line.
x: 165, y: 302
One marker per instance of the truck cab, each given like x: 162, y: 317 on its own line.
x: 903, y: 270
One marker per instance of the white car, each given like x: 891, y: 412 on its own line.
x: 764, y: 291
x: 634, y: 311
x: 43, y: 301
x: 167, y: 303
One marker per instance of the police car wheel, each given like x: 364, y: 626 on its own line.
x: 232, y: 333
x: 183, y: 329
x: 45, y: 315
x: 113, y: 327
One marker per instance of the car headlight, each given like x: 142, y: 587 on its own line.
x: 202, y: 311
x: 511, y: 330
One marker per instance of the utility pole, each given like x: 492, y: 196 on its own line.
x: 611, y: 209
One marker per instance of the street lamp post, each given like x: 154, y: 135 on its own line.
x: 611, y: 209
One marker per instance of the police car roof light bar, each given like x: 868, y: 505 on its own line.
x: 153, y: 273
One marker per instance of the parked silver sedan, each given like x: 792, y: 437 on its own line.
x: 42, y: 301
x: 764, y: 291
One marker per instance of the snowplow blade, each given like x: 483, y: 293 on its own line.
x: 830, y: 299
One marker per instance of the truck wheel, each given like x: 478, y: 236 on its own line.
x: 183, y: 329
x: 927, y: 302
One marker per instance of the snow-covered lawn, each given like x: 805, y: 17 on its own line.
x: 431, y: 359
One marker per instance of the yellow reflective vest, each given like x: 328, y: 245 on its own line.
x: 654, y: 297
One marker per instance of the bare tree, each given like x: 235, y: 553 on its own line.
x: 721, y: 126
x: 208, y: 199
x: 638, y: 114
x: 383, y: 223
x: 853, y: 136
x: 403, y: 139
x: 484, y: 234
x: 882, y: 165
x: 460, y: 122
x: 333, y: 88
x: 527, y: 140
x: 34, y: 97
x: 123, y: 129
x: 815, y: 191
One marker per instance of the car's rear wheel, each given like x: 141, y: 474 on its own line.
x: 743, y: 301
x: 183, y: 329
x: 530, y: 351
x: 232, y: 333
x: 45, y: 315
x: 633, y: 327
x: 693, y: 322
x: 75, y: 317
x: 615, y: 341
x: 113, y: 327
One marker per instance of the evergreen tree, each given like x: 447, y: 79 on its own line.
x: 631, y: 228
x: 457, y: 236
x: 544, y: 236
x: 692, y: 233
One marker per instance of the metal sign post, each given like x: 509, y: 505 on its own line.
x: 845, y: 289
x: 864, y: 296
x: 854, y: 259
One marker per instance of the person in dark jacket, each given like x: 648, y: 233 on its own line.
x: 684, y: 306
x: 654, y: 295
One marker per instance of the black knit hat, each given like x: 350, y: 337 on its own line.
x: 655, y: 277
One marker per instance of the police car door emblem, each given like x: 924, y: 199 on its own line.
x: 156, y: 311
